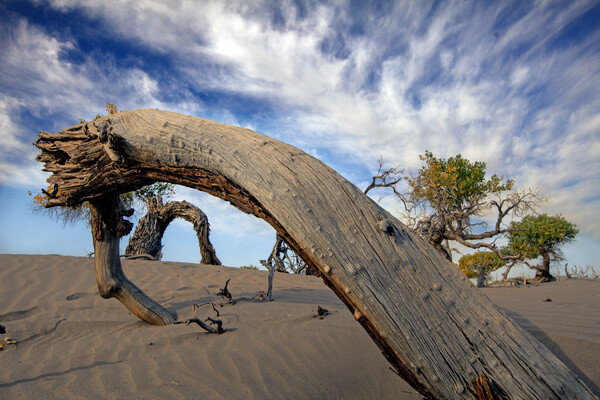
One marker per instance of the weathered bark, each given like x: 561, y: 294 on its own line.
x: 147, y: 238
x: 438, y: 331
x: 481, y: 277
x: 273, y: 263
x: 107, y: 227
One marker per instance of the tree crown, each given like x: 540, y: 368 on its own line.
x: 470, y: 264
x: 451, y: 184
x: 535, y: 235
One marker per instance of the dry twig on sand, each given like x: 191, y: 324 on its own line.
x: 224, y: 293
x: 211, y: 321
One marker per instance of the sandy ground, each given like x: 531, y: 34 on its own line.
x: 74, y: 344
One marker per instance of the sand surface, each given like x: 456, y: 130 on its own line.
x: 74, y: 344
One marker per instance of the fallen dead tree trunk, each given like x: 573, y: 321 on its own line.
x: 441, y: 335
x: 148, y: 234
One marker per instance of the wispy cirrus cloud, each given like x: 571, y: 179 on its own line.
x: 513, y: 84
x: 39, y: 83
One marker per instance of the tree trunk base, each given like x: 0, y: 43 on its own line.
x: 542, y: 276
x: 107, y: 228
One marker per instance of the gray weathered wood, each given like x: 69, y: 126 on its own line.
x: 147, y: 237
x: 442, y: 336
x: 107, y: 227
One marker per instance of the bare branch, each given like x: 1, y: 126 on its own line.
x: 388, y: 178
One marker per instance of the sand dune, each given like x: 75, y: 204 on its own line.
x: 74, y: 344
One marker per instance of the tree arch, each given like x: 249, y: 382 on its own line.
x: 440, y: 334
x: 148, y: 234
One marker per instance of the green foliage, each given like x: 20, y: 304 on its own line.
x: 539, y: 235
x: 111, y: 109
x: 163, y: 189
x: 251, y: 266
x: 451, y: 184
x: 471, y: 264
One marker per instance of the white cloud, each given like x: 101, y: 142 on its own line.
x: 451, y: 81
x: 37, y: 78
x: 9, y: 130
x: 223, y: 217
x: 23, y: 175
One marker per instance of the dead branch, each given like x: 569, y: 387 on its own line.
x: 216, y: 322
x: 224, y: 293
x: 195, y: 320
x: 388, y: 178
x: 214, y: 308
x: 321, y: 312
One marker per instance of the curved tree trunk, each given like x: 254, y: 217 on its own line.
x: 107, y: 227
x: 147, y: 238
x: 438, y: 331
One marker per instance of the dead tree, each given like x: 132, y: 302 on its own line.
x: 147, y: 238
x: 283, y: 259
x: 274, y: 263
x: 437, y: 330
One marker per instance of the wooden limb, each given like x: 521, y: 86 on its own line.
x: 218, y: 330
x: 435, y: 328
x: 202, y: 324
x: 270, y: 277
x: 215, y: 309
x: 108, y: 226
x: 274, y: 263
x: 389, y: 178
x: 216, y: 322
x: 225, y: 293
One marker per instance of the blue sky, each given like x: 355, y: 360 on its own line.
x: 514, y: 84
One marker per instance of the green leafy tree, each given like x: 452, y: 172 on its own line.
x: 162, y: 189
x: 480, y: 264
x: 447, y: 200
x: 472, y: 264
x: 541, y: 236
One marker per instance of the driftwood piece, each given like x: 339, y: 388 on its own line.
x: 440, y: 334
x: 202, y: 324
x: 147, y: 237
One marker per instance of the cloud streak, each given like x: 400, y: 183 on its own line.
x: 512, y: 84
